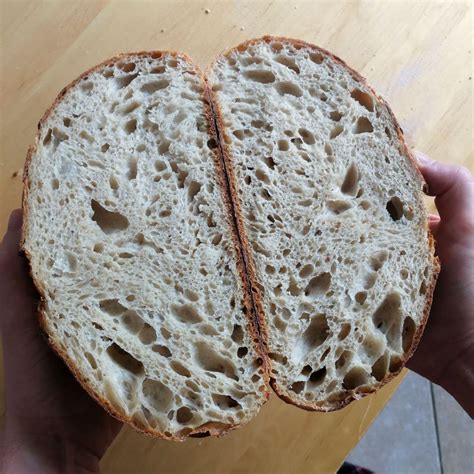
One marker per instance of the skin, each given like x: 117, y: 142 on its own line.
x: 53, y: 425
x: 445, y: 354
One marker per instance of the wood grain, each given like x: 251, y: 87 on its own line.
x: 416, y: 54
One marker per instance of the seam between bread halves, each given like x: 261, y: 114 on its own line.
x: 238, y: 230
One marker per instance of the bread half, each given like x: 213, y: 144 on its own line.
x: 336, y: 230
x: 133, y: 248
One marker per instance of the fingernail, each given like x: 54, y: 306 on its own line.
x: 423, y: 159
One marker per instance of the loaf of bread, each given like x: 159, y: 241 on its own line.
x: 197, y: 239
x: 332, y: 205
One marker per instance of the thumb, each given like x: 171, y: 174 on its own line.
x: 453, y: 187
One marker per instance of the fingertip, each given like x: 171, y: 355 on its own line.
x: 423, y: 160
x: 15, y: 220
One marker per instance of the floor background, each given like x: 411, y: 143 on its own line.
x: 421, y: 430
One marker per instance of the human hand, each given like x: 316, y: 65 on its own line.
x: 51, y: 423
x: 445, y: 354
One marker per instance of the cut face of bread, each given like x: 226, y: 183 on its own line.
x: 130, y: 247
x: 336, y: 226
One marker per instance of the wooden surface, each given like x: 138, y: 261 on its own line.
x: 417, y: 54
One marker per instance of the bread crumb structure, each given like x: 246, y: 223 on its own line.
x: 195, y: 239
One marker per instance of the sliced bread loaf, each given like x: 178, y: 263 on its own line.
x: 143, y: 288
x: 341, y: 259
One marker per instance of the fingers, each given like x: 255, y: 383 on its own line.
x: 17, y: 292
x: 15, y: 220
x: 12, y: 237
x: 433, y: 222
x: 452, y: 185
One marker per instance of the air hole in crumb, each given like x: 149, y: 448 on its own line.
x: 184, y: 415
x: 261, y: 175
x: 87, y: 86
x: 306, y: 271
x: 160, y: 165
x: 108, y: 221
x: 212, y: 144
x: 260, y: 75
x: 265, y: 194
x: 154, y: 86
x: 127, y: 67
x: 268, y: 160
x: 356, y: 377
x: 316, y: 58
x: 363, y: 125
x: 124, y: 81
x: 313, y: 337
x: 108, y: 73
x: 162, y: 350
x: 344, y: 359
x: 306, y: 370
x: 132, y: 168
x: 377, y: 260
x: 351, y: 180
x: 288, y: 88
x: 380, y: 367
x: 388, y: 318
x: 288, y: 62
x: 186, y: 313
x: 130, y: 126
x: 114, y: 183
x: 395, y: 208
x: 360, y: 297
x: 147, y: 335
x: 91, y: 360
x: 237, y: 334
x: 132, y: 322
x: 335, y: 115
x: 318, y: 285
x: 242, y: 352
x: 297, y: 387
x: 338, y: 206
x: 317, y: 377
x: 225, y: 402
x: 307, y: 136
x: 336, y: 131
x: 277, y: 357
x: 104, y: 147
x: 157, y: 395
x: 112, y: 307
x: 208, y: 359
x: 408, y: 333
x: 180, y: 369
x: 395, y: 364
x: 364, y: 99
x: 283, y: 145
x: 344, y: 332
x: 193, y: 188
x: 125, y: 360
x: 257, y: 123
x: 55, y: 183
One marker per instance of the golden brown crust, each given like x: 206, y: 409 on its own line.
x: 246, y: 264
x: 210, y: 428
x: 349, y: 396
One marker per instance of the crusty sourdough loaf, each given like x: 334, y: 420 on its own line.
x: 188, y: 236
x: 130, y: 247
x: 331, y: 201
